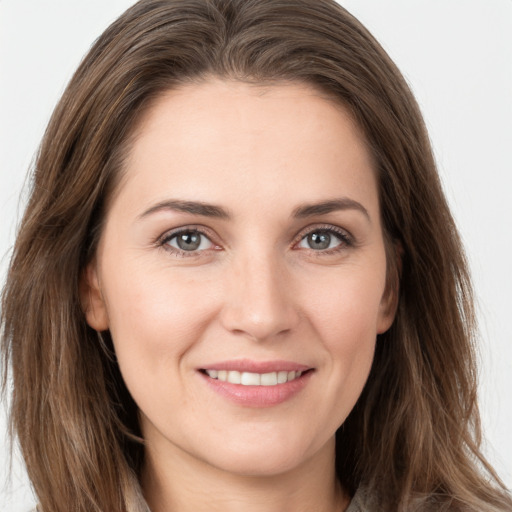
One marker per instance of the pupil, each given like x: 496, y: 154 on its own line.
x: 189, y: 241
x: 319, y: 240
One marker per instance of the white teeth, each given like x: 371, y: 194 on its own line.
x: 269, y: 379
x: 234, y: 377
x: 253, y: 379
x: 250, y: 379
x: 282, y: 377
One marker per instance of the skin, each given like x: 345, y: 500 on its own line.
x: 255, y: 289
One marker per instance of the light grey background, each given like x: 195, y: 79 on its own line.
x: 457, y: 56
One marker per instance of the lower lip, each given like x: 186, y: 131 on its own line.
x: 258, y: 396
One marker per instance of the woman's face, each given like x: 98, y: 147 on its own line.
x: 243, y: 246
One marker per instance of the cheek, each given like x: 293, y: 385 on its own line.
x: 344, y: 317
x: 155, y: 316
x: 345, y: 305
x: 349, y: 335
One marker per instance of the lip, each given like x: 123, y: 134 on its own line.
x: 247, y: 365
x: 257, y: 396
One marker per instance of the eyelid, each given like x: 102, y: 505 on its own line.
x: 347, y: 239
x: 162, y: 240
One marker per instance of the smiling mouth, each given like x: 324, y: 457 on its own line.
x: 254, y: 379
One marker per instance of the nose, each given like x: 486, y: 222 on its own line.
x: 259, y: 302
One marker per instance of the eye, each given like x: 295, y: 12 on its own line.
x: 323, y: 240
x: 190, y: 240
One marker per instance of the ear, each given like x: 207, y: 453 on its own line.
x: 387, y: 310
x: 93, y: 304
x: 389, y: 302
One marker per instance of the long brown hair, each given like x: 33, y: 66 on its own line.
x: 413, y: 437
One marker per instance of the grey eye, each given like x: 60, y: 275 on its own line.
x: 189, y: 241
x: 320, y: 240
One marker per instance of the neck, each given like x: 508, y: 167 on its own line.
x: 182, y: 483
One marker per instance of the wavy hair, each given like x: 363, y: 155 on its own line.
x: 413, y: 437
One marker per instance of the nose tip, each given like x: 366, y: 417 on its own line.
x: 257, y: 325
x: 259, y: 303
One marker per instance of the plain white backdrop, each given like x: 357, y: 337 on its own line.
x: 457, y: 57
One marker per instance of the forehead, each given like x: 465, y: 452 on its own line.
x: 222, y: 104
x: 253, y: 140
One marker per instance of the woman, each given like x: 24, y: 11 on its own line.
x: 237, y: 282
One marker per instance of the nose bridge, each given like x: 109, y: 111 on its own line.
x: 259, y: 299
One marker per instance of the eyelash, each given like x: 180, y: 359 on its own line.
x: 346, y: 240
x: 164, y: 240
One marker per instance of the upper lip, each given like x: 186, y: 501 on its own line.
x: 247, y: 365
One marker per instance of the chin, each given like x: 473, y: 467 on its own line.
x: 264, y: 459
x: 262, y: 466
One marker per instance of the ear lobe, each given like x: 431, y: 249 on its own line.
x: 93, y: 304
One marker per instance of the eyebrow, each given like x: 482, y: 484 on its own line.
x: 301, y: 212
x: 332, y: 205
x: 192, y: 207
